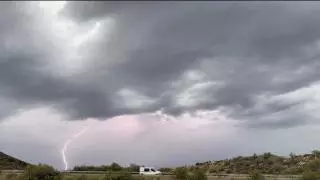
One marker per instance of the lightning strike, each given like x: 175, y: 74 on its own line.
x: 66, y: 144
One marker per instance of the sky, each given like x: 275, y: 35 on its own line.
x: 158, y: 83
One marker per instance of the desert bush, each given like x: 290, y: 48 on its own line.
x: 115, y: 167
x: 293, y: 170
x: 255, y: 175
x: 181, y: 173
x: 40, y: 172
x: 198, y: 174
x: 112, y: 167
x: 313, y: 165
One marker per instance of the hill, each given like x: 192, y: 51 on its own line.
x: 10, y: 163
x: 265, y: 163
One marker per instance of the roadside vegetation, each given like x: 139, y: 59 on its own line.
x: 256, y: 166
x: 266, y: 163
x: 114, y: 167
x: 46, y: 172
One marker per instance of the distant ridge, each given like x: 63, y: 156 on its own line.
x: 11, y: 163
x: 266, y: 163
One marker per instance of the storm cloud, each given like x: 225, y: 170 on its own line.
x: 256, y: 63
x: 233, y: 51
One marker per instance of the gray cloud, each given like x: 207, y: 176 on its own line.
x: 251, y: 49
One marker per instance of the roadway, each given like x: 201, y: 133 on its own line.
x: 168, y: 175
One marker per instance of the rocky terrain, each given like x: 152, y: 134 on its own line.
x: 265, y: 163
x: 10, y: 163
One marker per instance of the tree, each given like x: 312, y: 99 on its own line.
x: 292, y: 155
x: 40, y: 172
x: 267, y: 155
x: 115, y: 167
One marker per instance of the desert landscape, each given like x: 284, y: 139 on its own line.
x: 263, y: 166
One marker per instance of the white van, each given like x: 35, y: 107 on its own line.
x: 148, y: 171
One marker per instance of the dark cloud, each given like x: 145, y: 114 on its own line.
x: 245, y: 46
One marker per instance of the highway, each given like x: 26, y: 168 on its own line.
x: 168, y: 175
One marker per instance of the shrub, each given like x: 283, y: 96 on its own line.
x: 293, y: 170
x: 115, y: 167
x: 198, y: 174
x: 181, y: 173
x: 256, y: 176
x: 313, y: 165
x: 40, y: 172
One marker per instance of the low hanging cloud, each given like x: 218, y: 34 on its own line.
x: 104, y: 59
x: 253, y: 64
x: 32, y: 136
x: 125, y: 139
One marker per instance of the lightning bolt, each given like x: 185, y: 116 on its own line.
x: 66, y: 144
